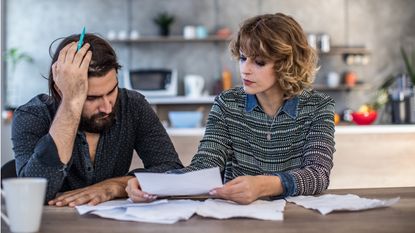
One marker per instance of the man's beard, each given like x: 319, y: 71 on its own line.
x: 95, y: 124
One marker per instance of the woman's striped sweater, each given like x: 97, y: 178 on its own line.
x: 300, y: 151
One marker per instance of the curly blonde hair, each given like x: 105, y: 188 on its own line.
x: 278, y: 38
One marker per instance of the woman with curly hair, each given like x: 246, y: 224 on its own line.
x: 273, y: 137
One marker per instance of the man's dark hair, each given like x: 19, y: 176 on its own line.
x: 103, y: 59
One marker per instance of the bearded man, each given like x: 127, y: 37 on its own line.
x: 81, y: 136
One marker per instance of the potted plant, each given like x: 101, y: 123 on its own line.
x: 164, y: 20
x: 15, y: 56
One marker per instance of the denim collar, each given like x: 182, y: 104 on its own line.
x: 290, y: 106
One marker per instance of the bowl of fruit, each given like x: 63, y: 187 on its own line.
x: 365, y: 115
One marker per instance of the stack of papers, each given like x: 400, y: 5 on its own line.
x: 201, y: 182
x: 172, y: 211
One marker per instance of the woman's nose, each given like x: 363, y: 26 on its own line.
x: 245, y: 67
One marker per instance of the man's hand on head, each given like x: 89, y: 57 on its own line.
x: 70, y: 72
x: 94, y: 194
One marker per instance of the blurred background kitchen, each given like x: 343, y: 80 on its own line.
x: 176, y: 53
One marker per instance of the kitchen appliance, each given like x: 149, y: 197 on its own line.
x: 193, y: 85
x: 400, y: 94
x: 152, y: 82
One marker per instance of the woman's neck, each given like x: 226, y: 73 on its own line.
x: 270, y: 103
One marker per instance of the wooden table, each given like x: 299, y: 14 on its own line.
x: 398, y: 218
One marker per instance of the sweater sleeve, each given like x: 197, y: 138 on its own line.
x: 35, y: 151
x: 215, y: 146
x: 313, y: 175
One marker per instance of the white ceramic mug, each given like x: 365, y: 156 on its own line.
x: 333, y: 79
x: 24, y: 203
x: 189, y: 32
x: 193, y: 85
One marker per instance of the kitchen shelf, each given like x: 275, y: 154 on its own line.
x: 181, y: 100
x: 320, y: 87
x: 341, y: 50
x: 159, y: 39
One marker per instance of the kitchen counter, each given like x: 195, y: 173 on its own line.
x: 366, y: 156
x: 342, y: 129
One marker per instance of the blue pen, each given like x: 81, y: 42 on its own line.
x: 81, y: 39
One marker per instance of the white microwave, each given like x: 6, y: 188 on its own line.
x: 152, y: 82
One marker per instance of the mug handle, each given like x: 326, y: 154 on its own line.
x: 3, y: 215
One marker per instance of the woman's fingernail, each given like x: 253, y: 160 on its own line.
x: 146, y: 196
x: 213, y: 192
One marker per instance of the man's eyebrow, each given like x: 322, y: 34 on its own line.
x: 98, y: 96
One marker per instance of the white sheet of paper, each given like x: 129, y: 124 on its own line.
x: 332, y: 202
x: 222, y: 209
x: 117, y: 214
x: 170, y: 212
x: 191, y: 183
x: 114, y: 204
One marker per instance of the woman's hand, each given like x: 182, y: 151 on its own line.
x: 247, y: 189
x: 135, y: 194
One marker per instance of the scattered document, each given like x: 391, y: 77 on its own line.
x: 222, y: 209
x: 191, y: 183
x: 331, y: 202
x: 170, y: 212
x: 114, y: 204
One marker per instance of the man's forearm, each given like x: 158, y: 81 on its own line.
x: 94, y: 194
x: 64, y: 127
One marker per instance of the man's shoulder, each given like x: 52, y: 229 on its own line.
x: 130, y: 96
x: 38, y: 104
x: 40, y: 108
x: 133, y: 102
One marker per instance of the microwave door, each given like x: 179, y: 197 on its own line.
x: 154, y: 82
